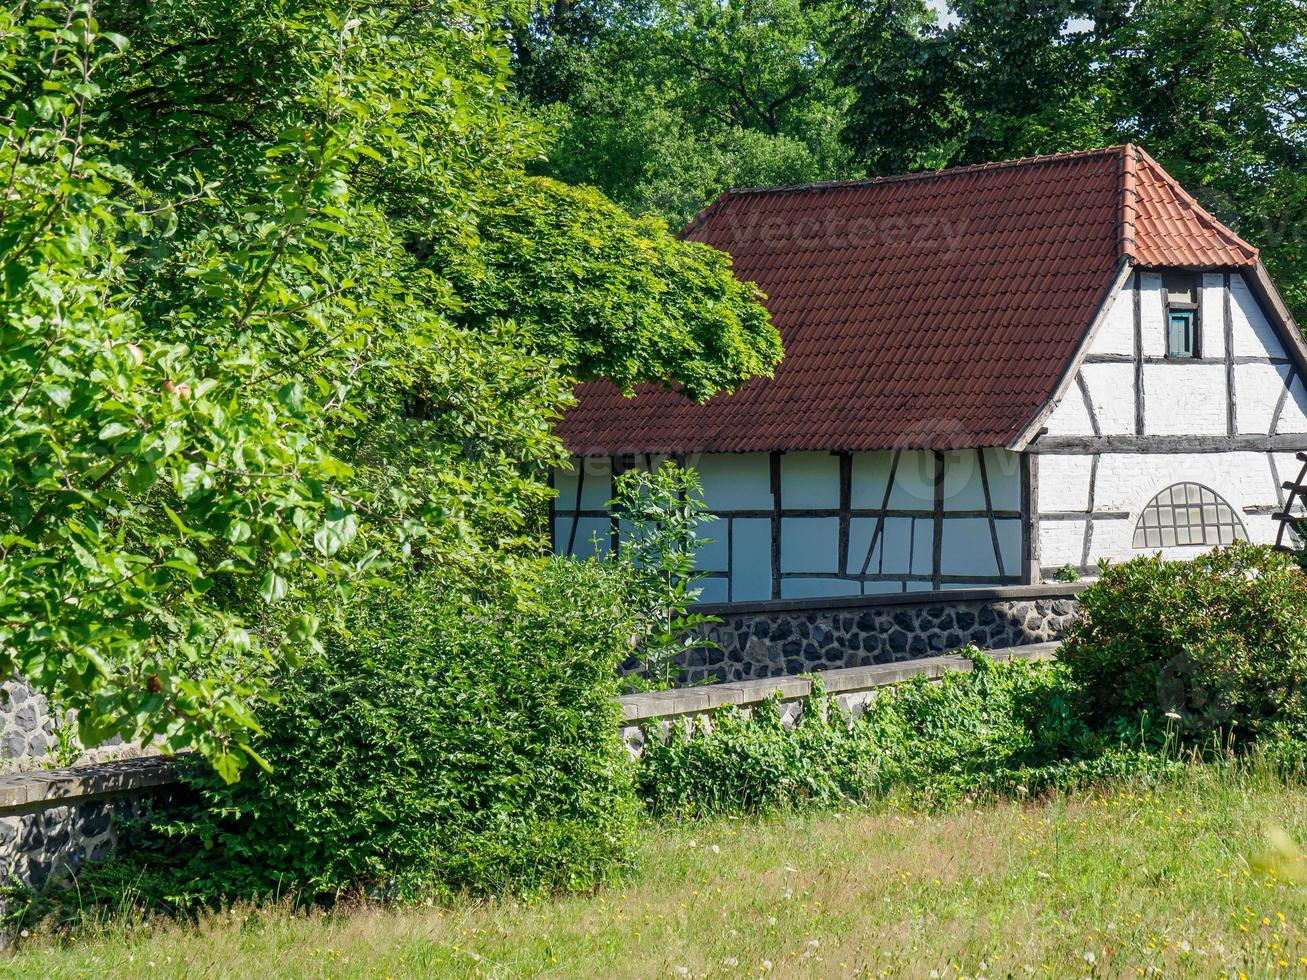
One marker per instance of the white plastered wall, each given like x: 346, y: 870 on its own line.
x: 1183, y: 397
x: 1124, y: 483
x: 1089, y: 502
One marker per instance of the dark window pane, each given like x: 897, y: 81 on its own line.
x: 1181, y: 287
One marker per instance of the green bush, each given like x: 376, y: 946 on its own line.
x: 1220, y: 641
x: 446, y: 745
x: 1001, y: 729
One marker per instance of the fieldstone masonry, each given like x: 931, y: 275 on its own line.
x: 26, y: 725
x: 43, y: 848
x: 760, y: 640
x: 52, y: 821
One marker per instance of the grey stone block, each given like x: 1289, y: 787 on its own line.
x: 25, y: 717
x: 14, y: 745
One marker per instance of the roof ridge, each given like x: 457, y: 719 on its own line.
x: 1129, y: 201
x: 819, y: 185
x: 701, y: 216
x: 1200, y: 212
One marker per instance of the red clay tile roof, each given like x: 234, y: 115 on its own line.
x: 1171, y: 229
x: 932, y: 311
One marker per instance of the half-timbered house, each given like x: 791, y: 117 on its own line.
x: 991, y: 373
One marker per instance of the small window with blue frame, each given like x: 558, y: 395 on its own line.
x: 1182, y: 339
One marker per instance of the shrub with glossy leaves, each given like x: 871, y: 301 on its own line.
x: 1220, y: 641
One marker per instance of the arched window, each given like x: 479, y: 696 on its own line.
x: 1188, y: 514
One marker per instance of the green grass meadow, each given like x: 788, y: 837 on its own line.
x: 1190, y: 879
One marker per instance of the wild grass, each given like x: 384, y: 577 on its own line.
x: 1124, y: 881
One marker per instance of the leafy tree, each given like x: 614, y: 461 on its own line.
x: 1215, y: 92
x: 662, y: 104
x: 233, y: 389
x: 1000, y: 79
x: 610, y: 295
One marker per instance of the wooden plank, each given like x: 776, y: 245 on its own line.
x: 576, y: 511
x: 1284, y: 397
x: 1084, y: 446
x: 730, y: 559
x: 1182, y: 361
x: 1288, y: 504
x: 846, y: 505
x: 862, y: 512
x: 884, y: 507
x: 1083, y: 515
x: 937, y: 545
x: 1088, y: 542
x: 775, y: 470
x: 1139, y: 354
x: 989, y: 510
x: 1089, y: 404
x: 1232, y: 411
x: 1264, y: 291
x: 1030, y: 572
x: 906, y: 577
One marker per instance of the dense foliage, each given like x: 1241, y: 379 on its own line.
x: 609, y: 295
x: 1220, y: 641
x: 1214, y: 91
x: 238, y: 379
x: 1202, y: 654
x: 664, y: 103
x: 444, y: 746
x: 1001, y: 729
x: 455, y: 747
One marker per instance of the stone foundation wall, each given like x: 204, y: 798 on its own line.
x: 45, y: 848
x: 52, y: 821
x: 770, y: 639
x: 34, y: 736
x: 27, y: 726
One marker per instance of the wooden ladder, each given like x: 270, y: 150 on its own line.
x: 1288, y: 520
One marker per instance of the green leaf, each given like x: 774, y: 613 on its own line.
x: 59, y: 394
x: 273, y: 588
x: 336, y: 533
x: 292, y: 396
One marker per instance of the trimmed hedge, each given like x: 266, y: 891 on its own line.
x: 445, y: 746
